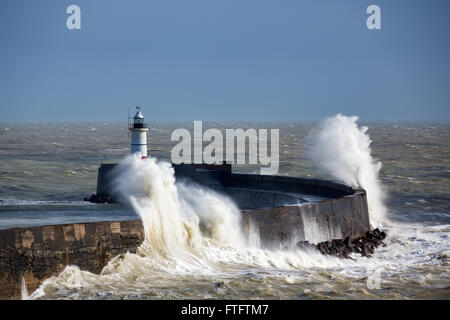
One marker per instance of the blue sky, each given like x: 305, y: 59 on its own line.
x: 224, y: 60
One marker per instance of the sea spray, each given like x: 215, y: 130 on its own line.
x: 176, y: 216
x: 217, y: 216
x: 149, y: 187
x: 341, y: 148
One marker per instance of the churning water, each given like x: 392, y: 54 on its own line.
x: 193, y: 245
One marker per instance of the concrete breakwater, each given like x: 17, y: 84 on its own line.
x: 277, y: 212
x: 37, y: 253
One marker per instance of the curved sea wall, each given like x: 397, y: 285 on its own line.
x: 277, y: 212
x: 289, y: 226
x: 37, y: 253
x: 280, y: 210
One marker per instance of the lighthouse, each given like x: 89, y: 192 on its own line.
x: 138, y: 130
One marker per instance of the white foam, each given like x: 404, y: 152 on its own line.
x: 341, y: 149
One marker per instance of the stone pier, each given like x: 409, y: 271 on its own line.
x: 37, y: 253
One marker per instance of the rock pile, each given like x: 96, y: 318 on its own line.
x: 364, y: 245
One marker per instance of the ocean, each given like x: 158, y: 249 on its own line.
x: 47, y: 169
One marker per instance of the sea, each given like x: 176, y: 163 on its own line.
x: 48, y: 168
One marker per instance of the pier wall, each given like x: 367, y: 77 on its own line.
x: 104, y: 178
x: 285, y: 227
x: 37, y: 253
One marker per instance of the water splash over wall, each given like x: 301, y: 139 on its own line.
x: 341, y: 148
x: 177, y: 218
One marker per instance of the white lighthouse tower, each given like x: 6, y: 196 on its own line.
x: 138, y: 130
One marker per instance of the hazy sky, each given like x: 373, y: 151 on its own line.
x: 224, y: 60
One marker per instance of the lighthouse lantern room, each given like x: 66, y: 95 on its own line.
x: 138, y: 130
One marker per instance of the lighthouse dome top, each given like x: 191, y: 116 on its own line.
x: 139, y: 114
x: 138, y: 122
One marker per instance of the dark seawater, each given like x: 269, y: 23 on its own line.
x: 46, y: 169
